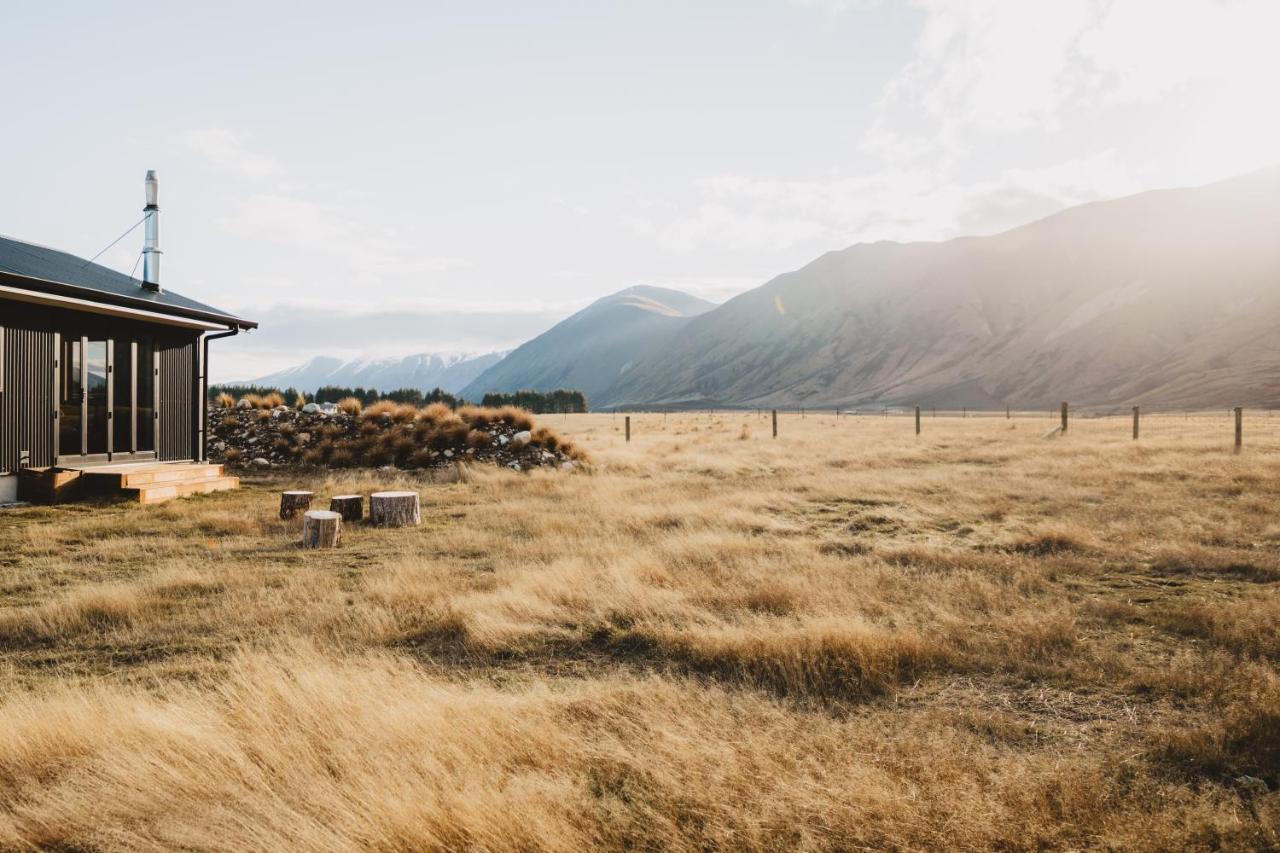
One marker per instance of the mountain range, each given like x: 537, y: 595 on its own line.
x: 424, y: 371
x: 1166, y: 299
x: 594, y: 349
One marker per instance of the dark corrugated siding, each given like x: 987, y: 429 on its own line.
x: 26, y: 401
x: 176, y: 434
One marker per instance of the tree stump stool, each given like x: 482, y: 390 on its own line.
x: 350, y: 507
x: 292, y: 503
x: 321, y: 529
x: 394, y: 509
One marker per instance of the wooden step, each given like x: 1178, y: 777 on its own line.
x: 169, y: 474
x: 159, y: 492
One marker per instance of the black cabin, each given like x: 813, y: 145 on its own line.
x: 96, y: 366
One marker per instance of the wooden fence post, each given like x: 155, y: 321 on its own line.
x: 1007, y: 414
x: 1136, y: 412
x: 1064, y: 416
x: 1239, y: 428
x: 628, y: 420
x: 775, y: 423
x: 917, y: 420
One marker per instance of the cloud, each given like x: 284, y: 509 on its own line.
x: 224, y: 149
x: 326, y: 230
x: 1004, y: 67
x: 283, y: 215
x: 294, y: 331
x: 1008, y: 110
x: 743, y: 213
x: 835, y: 7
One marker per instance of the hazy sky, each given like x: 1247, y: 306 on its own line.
x: 479, y: 170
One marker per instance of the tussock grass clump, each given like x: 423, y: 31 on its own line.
x: 350, y: 406
x: 224, y: 401
x: 512, y: 416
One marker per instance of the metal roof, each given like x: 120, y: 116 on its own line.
x: 48, y: 270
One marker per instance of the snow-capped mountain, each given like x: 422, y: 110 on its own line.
x: 424, y: 371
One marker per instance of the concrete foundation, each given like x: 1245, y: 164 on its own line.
x: 8, y: 488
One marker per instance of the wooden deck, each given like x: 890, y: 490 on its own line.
x: 144, y: 482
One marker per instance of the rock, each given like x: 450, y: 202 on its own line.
x: 521, y: 439
x: 310, y: 409
x: 219, y: 446
x: 547, y: 457
x: 567, y: 466
x: 448, y: 454
x: 244, y: 404
x: 515, y: 466
x: 304, y: 438
x: 259, y: 462
x: 502, y: 439
x: 281, y: 408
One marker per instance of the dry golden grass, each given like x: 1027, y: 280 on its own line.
x: 847, y: 637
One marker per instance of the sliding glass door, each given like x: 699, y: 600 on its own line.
x: 71, y: 398
x: 106, y: 398
x: 97, y: 405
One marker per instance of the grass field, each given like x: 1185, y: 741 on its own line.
x: 848, y: 637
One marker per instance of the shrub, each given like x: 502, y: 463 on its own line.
x: 402, y: 448
x: 436, y: 413
x: 300, y: 400
x: 341, y: 457
x: 379, y: 453
x: 379, y: 409
x: 254, y: 401
x: 518, y: 418
x: 350, y: 405
x: 275, y: 398
x: 544, y: 437
x: 404, y: 413
x: 477, y: 416
x: 225, y: 401
x: 232, y: 454
x: 479, y: 438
